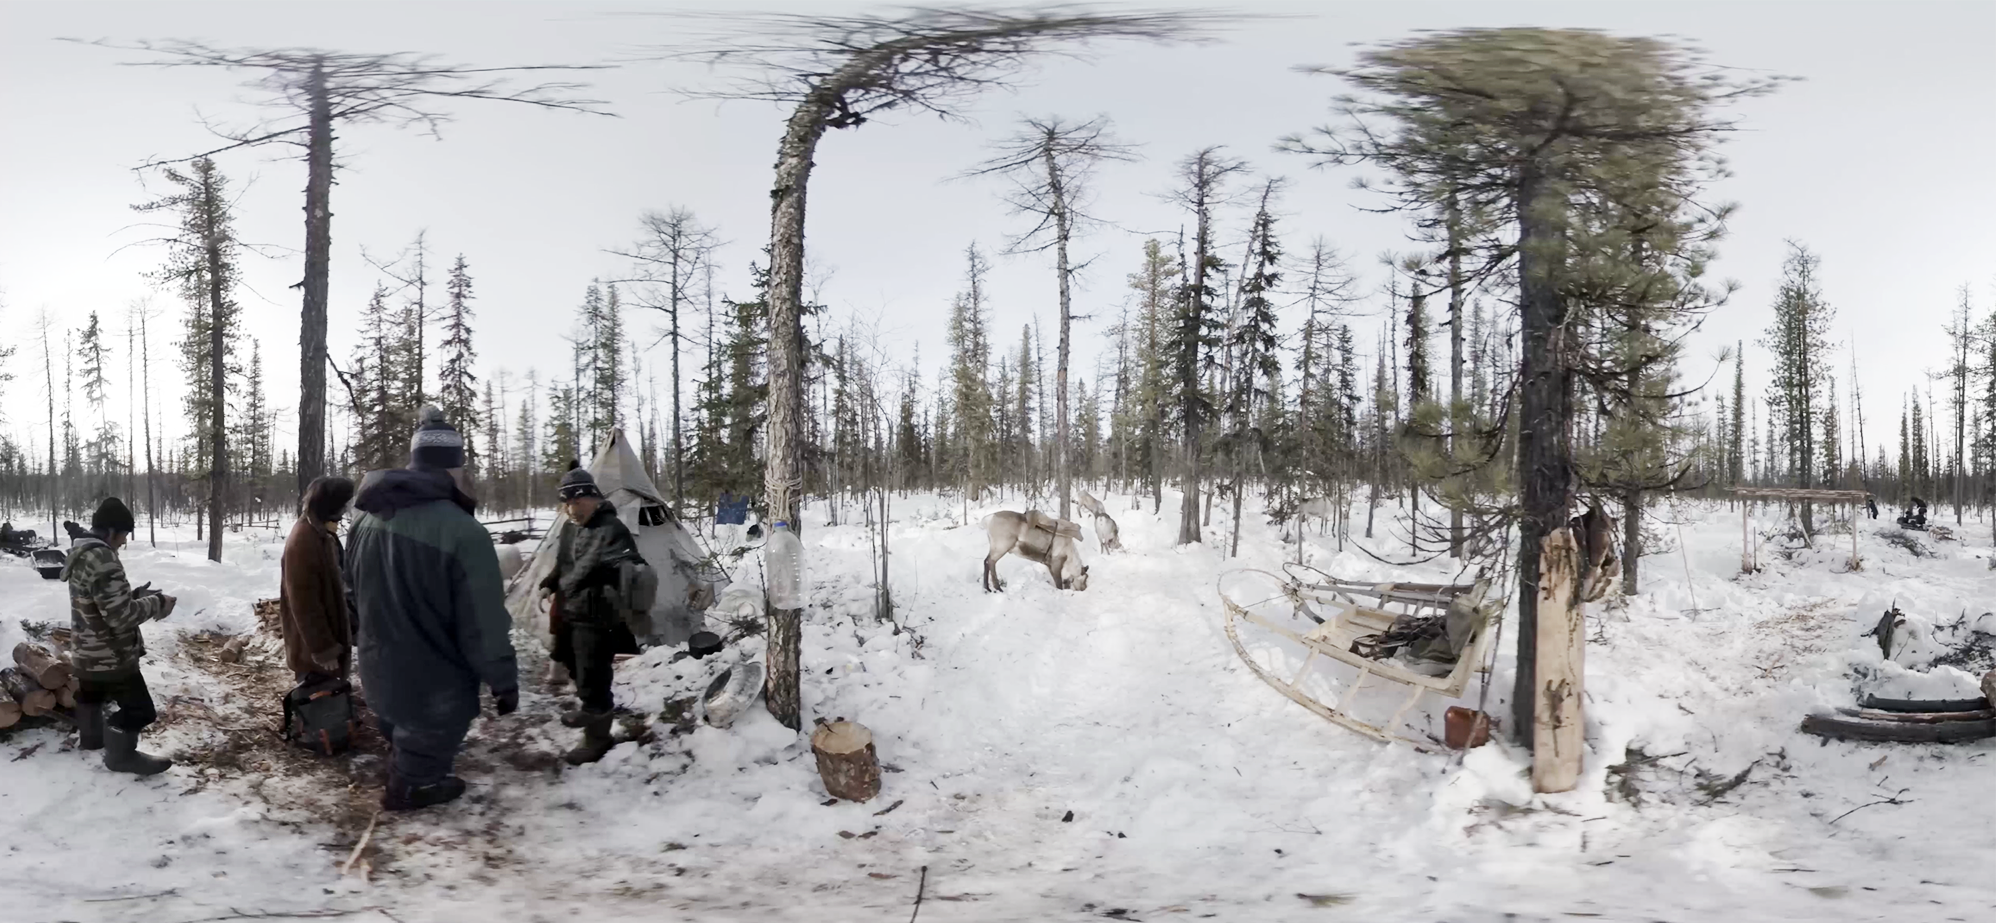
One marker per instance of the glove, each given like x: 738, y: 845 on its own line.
x: 507, y: 700
x: 165, y: 606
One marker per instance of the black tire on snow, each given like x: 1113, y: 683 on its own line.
x: 1839, y: 727
x: 1923, y: 705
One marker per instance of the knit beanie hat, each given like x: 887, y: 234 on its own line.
x: 578, y: 482
x: 112, y: 516
x: 436, y: 444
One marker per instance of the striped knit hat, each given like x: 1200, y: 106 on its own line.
x: 436, y: 444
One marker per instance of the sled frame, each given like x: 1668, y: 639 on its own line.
x: 1351, y: 618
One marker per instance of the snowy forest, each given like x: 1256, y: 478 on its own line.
x: 1521, y: 411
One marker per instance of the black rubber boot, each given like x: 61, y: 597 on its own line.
x: 401, y: 797
x: 122, y: 754
x: 89, y: 726
x: 582, y: 717
x: 596, y: 741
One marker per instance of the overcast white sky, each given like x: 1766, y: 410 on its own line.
x: 1878, y: 160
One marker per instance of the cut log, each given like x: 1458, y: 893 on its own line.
x: 10, y: 712
x: 66, y: 696
x: 35, y: 701
x: 1562, y: 640
x: 42, y: 664
x: 846, y: 760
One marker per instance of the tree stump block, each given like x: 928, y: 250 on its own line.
x: 43, y: 664
x: 846, y: 760
x: 35, y: 701
x: 1557, y: 740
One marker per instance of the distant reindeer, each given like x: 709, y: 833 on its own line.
x: 1035, y: 536
x: 1105, y: 525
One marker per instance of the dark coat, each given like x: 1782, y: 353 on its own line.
x: 433, y: 620
x: 312, y: 602
x: 585, y: 568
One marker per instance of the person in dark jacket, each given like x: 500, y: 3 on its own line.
x: 105, y: 614
x: 314, y: 609
x: 584, y: 578
x: 433, y: 621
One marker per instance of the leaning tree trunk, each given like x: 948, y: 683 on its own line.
x: 1545, y: 407
x: 783, y: 467
x: 318, y: 269
x: 1061, y: 232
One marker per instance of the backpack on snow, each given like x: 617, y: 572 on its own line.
x: 320, y: 716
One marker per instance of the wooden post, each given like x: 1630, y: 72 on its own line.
x: 1557, y: 738
x: 1746, y: 536
x: 1856, y: 563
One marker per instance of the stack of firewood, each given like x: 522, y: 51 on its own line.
x: 40, y: 682
x: 267, y: 614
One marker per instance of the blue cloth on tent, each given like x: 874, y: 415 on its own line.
x: 731, y: 511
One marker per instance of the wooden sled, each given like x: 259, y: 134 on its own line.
x: 1327, y: 614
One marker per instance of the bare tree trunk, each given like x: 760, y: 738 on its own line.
x: 678, y: 439
x: 1632, y: 537
x: 1455, y: 361
x: 1062, y: 230
x: 783, y: 468
x: 217, y: 277
x: 48, y: 376
x: 152, y: 497
x: 318, y: 267
x: 1544, y: 440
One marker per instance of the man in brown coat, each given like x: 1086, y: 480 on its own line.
x: 314, y: 608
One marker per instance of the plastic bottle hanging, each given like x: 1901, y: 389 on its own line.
x: 784, y: 553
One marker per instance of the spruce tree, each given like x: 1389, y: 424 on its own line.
x: 457, y: 384
x: 972, y: 404
x: 1253, y: 344
x: 1799, y: 339
x: 202, y: 264
x: 1196, y: 324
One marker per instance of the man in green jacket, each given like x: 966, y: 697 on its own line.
x: 104, y: 615
x: 433, y: 620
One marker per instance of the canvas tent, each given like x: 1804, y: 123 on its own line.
x: 686, y: 579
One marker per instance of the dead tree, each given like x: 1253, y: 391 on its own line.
x: 312, y: 91
x: 1050, y: 160
x: 840, y: 72
x: 674, y: 249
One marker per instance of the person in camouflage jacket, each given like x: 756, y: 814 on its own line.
x: 105, y: 613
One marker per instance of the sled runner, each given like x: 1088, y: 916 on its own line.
x: 1418, y: 637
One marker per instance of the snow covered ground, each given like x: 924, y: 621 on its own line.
x: 1058, y: 755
